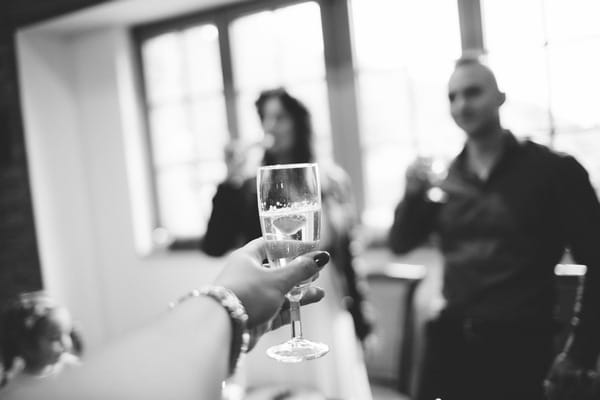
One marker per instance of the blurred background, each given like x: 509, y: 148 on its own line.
x: 114, y: 116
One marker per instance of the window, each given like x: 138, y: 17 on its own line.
x: 404, y: 54
x: 548, y: 61
x: 187, y: 124
x: 188, y: 107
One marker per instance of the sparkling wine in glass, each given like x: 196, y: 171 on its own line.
x: 289, y: 205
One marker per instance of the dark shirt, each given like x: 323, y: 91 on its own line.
x: 234, y: 218
x: 501, y: 238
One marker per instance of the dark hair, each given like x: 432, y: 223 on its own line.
x: 300, y: 115
x: 24, y: 321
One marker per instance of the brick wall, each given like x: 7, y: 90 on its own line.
x: 19, y: 261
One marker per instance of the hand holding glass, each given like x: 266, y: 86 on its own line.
x: 289, y: 206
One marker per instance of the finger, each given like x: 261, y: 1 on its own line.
x: 301, y: 269
x: 312, y: 295
x: 255, y: 249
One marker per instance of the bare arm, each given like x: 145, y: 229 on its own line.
x: 184, y: 354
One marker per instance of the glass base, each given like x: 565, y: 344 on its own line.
x: 297, y: 350
x: 436, y: 194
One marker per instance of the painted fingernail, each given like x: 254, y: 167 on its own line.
x: 321, y: 258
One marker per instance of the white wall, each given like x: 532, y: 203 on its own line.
x: 89, y: 184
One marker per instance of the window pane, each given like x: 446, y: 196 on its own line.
x: 404, y: 54
x: 203, y: 62
x: 518, y: 58
x: 384, y: 173
x: 385, y: 101
x: 278, y: 47
x: 512, y: 24
x: 576, y: 101
x: 393, y: 33
x: 209, y: 125
x: 572, y: 19
x: 575, y: 82
x: 254, y: 51
x: 550, y: 51
x: 172, y: 139
x: 283, y: 47
x: 437, y: 132
x: 163, y: 68
x: 188, y: 124
x: 185, y: 197
x: 178, y: 201
x: 525, y: 83
x: 248, y: 120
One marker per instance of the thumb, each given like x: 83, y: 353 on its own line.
x: 301, y: 269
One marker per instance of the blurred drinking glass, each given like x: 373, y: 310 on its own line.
x: 436, y: 174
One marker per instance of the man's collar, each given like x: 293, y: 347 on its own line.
x: 510, y: 145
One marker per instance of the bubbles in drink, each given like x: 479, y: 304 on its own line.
x: 290, y: 232
x: 289, y: 224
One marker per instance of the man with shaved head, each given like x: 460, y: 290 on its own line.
x: 510, y: 209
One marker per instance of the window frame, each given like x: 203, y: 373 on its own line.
x: 339, y: 74
x: 222, y: 17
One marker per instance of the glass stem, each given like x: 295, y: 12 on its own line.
x: 295, y: 319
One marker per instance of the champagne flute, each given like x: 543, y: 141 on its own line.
x: 289, y: 206
x: 437, y: 172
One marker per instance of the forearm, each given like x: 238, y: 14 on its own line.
x: 183, y: 355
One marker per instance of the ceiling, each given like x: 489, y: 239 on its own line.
x: 123, y: 13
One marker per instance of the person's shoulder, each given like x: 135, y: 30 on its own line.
x: 555, y: 161
x: 531, y: 148
x: 545, y: 153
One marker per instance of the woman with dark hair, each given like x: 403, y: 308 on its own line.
x: 286, y: 148
x: 288, y: 137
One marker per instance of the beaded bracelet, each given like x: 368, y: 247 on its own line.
x: 240, y: 337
